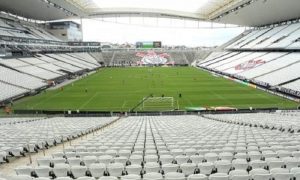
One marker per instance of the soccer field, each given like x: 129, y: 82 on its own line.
x: 120, y: 89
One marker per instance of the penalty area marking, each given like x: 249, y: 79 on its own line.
x: 88, y: 101
x: 123, y: 105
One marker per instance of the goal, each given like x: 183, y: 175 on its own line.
x: 158, y: 103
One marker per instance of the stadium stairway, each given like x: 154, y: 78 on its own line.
x: 98, y: 56
x: 112, y: 59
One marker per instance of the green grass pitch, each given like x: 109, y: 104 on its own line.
x: 120, y: 89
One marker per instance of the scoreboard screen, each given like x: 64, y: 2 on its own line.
x: 149, y: 44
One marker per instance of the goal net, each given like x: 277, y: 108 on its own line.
x: 158, y: 103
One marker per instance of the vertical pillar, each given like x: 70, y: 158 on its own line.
x: 81, y: 29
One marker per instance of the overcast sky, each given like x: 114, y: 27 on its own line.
x: 170, y: 32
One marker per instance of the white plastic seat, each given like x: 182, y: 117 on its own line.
x: 283, y: 153
x: 150, y: 152
x: 131, y: 177
x: 63, y: 178
x: 17, y: 151
x: 134, y: 169
x: 108, y: 178
x: 177, y: 152
x: 58, y: 155
x: 211, y: 157
x: 73, y: 161
x: 170, y: 168
x: 61, y: 170
x: 241, y: 164
x: 239, y: 175
x: 151, y: 167
x: 274, y: 163
x: 258, y: 164
x: 181, y: 159
x: 174, y: 176
x: 190, y: 151
x: 86, y: 178
x: 88, y: 160
x: 111, y: 152
x: 223, y: 166
x: 197, y: 177
x: 125, y: 153
x: 58, y: 160
x: 121, y: 159
x: 78, y: 171
x: 153, y: 176
x: 115, y: 169
x: 296, y: 154
x: 241, y: 149
x: 291, y: 162
x: 188, y: 168
x: 91, y: 149
x: 226, y: 156
x: 254, y: 155
x: 97, y: 169
x: 295, y: 170
x: 196, y: 158
x: 269, y: 154
x: 219, y: 176
x: 3, y: 156
x: 42, y: 171
x: 206, y: 168
x: 166, y: 159
x: 297, y: 176
x: 136, y: 159
x: 80, y: 149
x: 241, y: 155
x: 44, y: 161
x: 24, y: 170
x: 281, y: 174
x: 151, y: 158
x: 260, y: 174
x: 105, y: 159
x: 42, y: 178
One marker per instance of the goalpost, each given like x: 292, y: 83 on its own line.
x: 158, y: 103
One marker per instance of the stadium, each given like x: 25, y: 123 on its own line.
x: 149, y: 90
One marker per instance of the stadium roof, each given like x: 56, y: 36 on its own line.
x: 240, y: 12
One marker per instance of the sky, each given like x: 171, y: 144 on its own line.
x: 171, y: 32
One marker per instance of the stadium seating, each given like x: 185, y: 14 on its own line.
x: 38, y: 133
x: 69, y: 60
x: 266, y: 67
x: 9, y: 91
x: 273, y: 68
x: 26, y: 68
x: 85, y: 57
x: 231, y: 146
x: 293, y: 85
x: 62, y: 65
x: 22, y: 75
x: 280, y: 37
x: 26, y: 81
x: 12, y: 28
x: 130, y: 57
